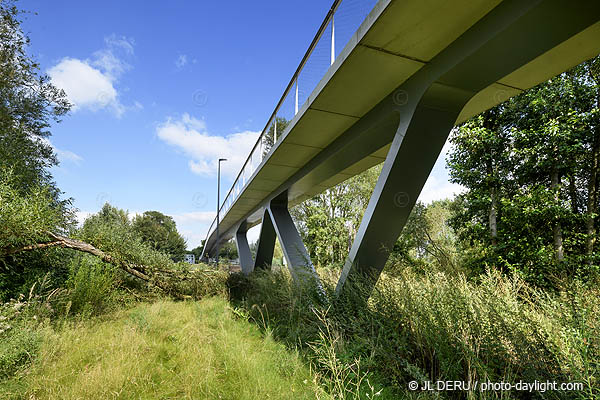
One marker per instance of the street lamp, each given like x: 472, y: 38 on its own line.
x: 218, y: 203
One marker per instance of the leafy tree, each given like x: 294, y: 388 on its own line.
x: 111, y: 231
x: 28, y: 105
x: 26, y: 219
x: 427, y: 240
x: 531, y: 166
x: 30, y: 204
x: 160, y: 232
x: 228, y: 251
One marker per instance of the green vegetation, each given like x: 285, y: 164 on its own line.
x: 160, y: 232
x: 498, y: 284
x: 191, y: 350
x: 433, y: 326
x: 531, y: 167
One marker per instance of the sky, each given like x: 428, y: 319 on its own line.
x: 161, y: 90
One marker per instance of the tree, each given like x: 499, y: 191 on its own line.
x: 28, y: 104
x: 160, y: 232
x: 531, y: 166
x: 228, y: 250
x: 30, y: 203
x: 480, y: 161
x: 427, y: 240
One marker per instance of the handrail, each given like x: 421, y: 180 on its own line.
x: 273, y: 118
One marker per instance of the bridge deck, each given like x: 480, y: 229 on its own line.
x: 396, y: 39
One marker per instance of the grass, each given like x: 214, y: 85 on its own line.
x: 272, y: 340
x: 164, y: 350
x: 434, y: 327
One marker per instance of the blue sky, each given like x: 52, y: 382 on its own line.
x: 162, y: 89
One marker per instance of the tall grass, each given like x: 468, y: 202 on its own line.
x: 434, y: 326
x: 185, y: 350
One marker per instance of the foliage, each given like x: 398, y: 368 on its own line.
x: 427, y: 241
x: 111, y: 231
x: 197, y: 251
x: 160, y: 232
x: 532, y: 169
x: 28, y: 104
x: 228, y: 250
x: 26, y: 217
x: 30, y: 202
x: 92, y: 285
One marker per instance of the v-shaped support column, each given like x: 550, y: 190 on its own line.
x: 241, y: 242
x: 508, y: 37
x: 266, y: 242
x: 277, y: 223
x: 296, y: 255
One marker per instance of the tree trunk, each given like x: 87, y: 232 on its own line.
x: 556, y: 229
x: 592, y: 200
x: 494, y: 216
x: 493, y: 213
x: 573, y: 194
x: 492, y: 173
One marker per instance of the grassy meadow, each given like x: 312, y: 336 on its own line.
x: 162, y: 350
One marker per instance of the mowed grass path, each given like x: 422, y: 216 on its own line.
x: 166, y: 350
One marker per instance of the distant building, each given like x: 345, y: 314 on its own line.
x: 190, y: 259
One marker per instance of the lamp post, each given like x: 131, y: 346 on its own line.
x: 218, y: 203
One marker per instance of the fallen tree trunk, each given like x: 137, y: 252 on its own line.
x: 138, y: 271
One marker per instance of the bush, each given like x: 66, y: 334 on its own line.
x: 91, y: 284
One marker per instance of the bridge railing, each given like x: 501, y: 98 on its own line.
x: 341, y: 22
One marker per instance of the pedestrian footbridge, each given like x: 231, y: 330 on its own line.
x: 384, y: 82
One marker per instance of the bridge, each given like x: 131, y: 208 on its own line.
x: 385, y: 82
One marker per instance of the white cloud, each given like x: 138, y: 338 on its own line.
x: 181, y: 61
x: 85, y: 86
x: 190, y: 136
x: 202, y: 217
x: 90, y: 83
x: 66, y: 155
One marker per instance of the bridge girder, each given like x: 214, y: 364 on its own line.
x: 416, y: 117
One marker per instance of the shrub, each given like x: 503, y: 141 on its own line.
x: 91, y: 284
x: 433, y: 326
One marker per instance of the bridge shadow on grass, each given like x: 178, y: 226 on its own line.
x: 429, y: 327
